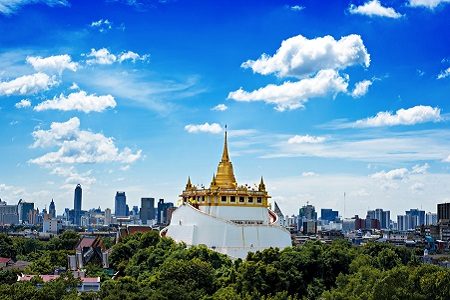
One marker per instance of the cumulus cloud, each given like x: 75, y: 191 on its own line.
x: 306, y: 139
x: 80, y: 101
x: 206, y: 127
x: 395, y: 174
x: 431, y: 4
x: 411, y: 116
x: 220, y: 107
x: 102, y: 25
x: 293, y: 95
x: 78, y: 146
x: 361, y: 88
x: 444, y: 74
x: 55, y: 63
x: 27, y: 84
x: 72, y: 177
x: 104, y: 57
x: 9, y: 7
x: 420, y: 169
x: 24, y: 103
x: 299, y: 56
x: 374, y: 8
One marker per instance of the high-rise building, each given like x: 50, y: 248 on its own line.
x: 78, y: 195
x: 417, y: 217
x: 327, y: 214
x: 443, y: 210
x: 147, y: 210
x: 107, y: 217
x: 52, y: 210
x: 120, y: 204
x: 383, y: 216
x: 162, y: 211
x: 306, y: 213
x: 9, y: 214
x: 24, y: 211
x: 431, y: 218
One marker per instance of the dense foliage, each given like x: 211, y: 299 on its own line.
x: 150, y: 267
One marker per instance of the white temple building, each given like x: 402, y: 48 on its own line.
x: 226, y: 217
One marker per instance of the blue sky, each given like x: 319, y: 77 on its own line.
x: 320, y: 99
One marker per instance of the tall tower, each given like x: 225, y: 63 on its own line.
x: 77, y: 205
x: 52, y: 210
x: 121, y: 204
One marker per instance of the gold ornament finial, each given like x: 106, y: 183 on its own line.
x: 225, y: 175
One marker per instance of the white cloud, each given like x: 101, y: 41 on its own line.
x: 309, y: 174
x: 446, y: 159
x: 395, y: 174
x: 361, y: 88
x: 101, y: 57
x: 431, y: 4
x: 297, y: 8
x: 55, y: 63
x: 206, y: 127
x: 445, y: 73
x: 27, y: 84
x: 24, y: 103
x: 411, y: 116
x: 9, y: 7
x: 299, y: 56
x: 417, y: 187
x: 80, y: 101
x: 78, y: 146
x: 374, y: 8
x: 72, y: 177
x: 104, y: 57
x: 74, y: 86
x: 293, y: 95
x: 420, y: 169
x: 220, y: 107
x: 132, y: 56
x: 102, y: 25
x: 306, y: 139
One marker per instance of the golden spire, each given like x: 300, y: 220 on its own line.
x: 225, y: 175
x: 213, y: 181
x: 188, y: 184
x: 262, y: 186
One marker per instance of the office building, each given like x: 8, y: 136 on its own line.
x: 384, y: 217
x: 417, y: 217
x: 121, y: 204
x: 431, y: 218
x: 78, y: 195
x: 108, y: 220
x: 24, y: 211
x: 162, y: 211
x: 52, y: 210
x: 147, y: 212
x: 328, y: 215
x: 9, y: 214
x: 443, y: 211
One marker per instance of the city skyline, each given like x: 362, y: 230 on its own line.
x: 134, y: 96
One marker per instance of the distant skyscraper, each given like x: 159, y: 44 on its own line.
x: 443, y: 212
x: 162, y: 211
x: 121, y: 204
x: 147, y: 210
x: 77, y: 205
x: 24, y: 211
x: 107, y: 217
x: 383, y: 216
x: 52, y: 210
x: 327, y: 214
x: 417, y: 217
x: 431, y: 218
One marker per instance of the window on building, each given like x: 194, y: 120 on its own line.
x: 241, y: 199
x: 259, y: 200
x: 250, y: 199
x: 232, y: 199
x: 224, y: 198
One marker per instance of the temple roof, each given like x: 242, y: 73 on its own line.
x: 225, y: 176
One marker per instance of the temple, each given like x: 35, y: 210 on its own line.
x: 226, y: 217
